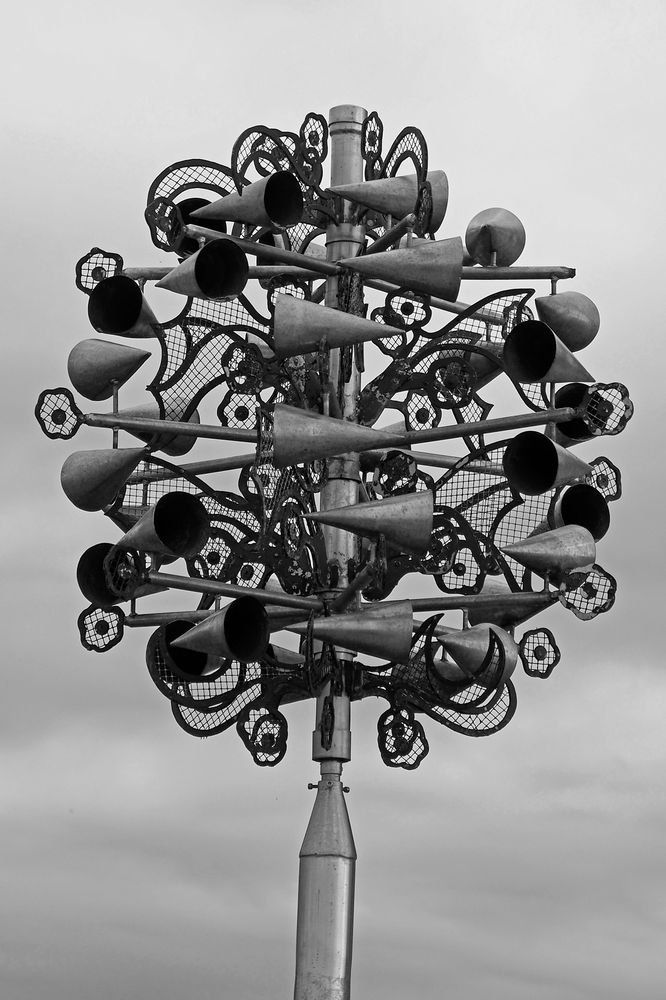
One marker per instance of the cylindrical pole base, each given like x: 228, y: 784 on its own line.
x: 326, y: 895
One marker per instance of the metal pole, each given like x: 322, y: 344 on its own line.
x: 328, y: 856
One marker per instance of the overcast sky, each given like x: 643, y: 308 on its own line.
x: 137, y: 861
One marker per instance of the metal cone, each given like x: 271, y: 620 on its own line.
x: 534, y: 464
x: 533, y: 353
x: 304, y: 436
x: 580, y: 504
x: 275, y: 201
x: 94, y: 366
x: 116, y: 306
x: 560, y: 551
x: 218, y: 271
x: 169, y: 443
x: 469, y: 649
x: 384, y: 630
x: 433, y: 267
x: 405, y: 521
x: 91, y: 479
x: 574, y: 318
x: 503, y: 607
x: 238, y: 632
x: 177, y: 525
x: 396, y: 196
x: 495, y: 231
x: 299, y: 327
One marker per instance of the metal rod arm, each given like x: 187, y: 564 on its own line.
x: 263, y: 250
x: 391, y: 237
x: 201, y: 586
x: 168, y: 426
x: 517, y: 273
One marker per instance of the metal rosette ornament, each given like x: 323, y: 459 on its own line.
x: 323, y: 322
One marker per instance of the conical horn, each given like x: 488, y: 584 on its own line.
x: 177, y: 525
x: 469, y: 649
x: 572, y: 316
x: 91, y: 479
x: 170, y: 444
x: 96, y: 366
x: 534, y: 464
x: 117, y: 306
x: 559, y: 551
x: 275, y: 201
x: 304, y: 436
x: 532, y: 353
x: 580, y: 504
x: 384, y: 631
x: 571, y: 432
x: 405, y: 521
x: 495, y: 236
x: 433, y: 267
x: 92, y: 582
x: 190, y: 664
x: 218, y: 271
x: 237, y: 632
x: 396, y: 196
x: 299, y: 326
x: 500, y: 608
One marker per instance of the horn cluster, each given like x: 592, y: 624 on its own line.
x: 337, y: 506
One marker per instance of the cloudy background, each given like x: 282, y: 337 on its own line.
x: 137, y: 861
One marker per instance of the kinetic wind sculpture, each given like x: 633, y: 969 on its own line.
x: 334, y: 503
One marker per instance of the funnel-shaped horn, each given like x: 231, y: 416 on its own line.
x: 572, y: 316
x: 169, y: 443
x: 92, y: 579
x: 91, y: 479
x: 299, y: 327
x: 273, y: 201
x: 534, y: 464
x: 396, y: 196
x: 190, y: 664
x: 499, y: 605
x: 218, y: 271
x: 237, y: 632
x: 433, y: 267
x: 532, y: 353
x: 117, y: 306
x: 177, y: 525
x: 304, y: 436
x: 574, y: 431
x: 469, y: 650
x: 559, y: 551
x: 495, y: 231
x: 405, y: 521
x: 96, y: 366
x: 384, y: 631
x: 579, y: 504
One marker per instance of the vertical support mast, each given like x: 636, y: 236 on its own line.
x: 328, y: 855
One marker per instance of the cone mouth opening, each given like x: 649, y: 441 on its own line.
x: 187, y: 663
x: 283, y: 199
x: 529, y: 351
x: 246, y: 631
x: 115, y: 304
x: 530, y: 463
x: 583, y: 505
x: 221, y: 269
x: 91, y: 578
x: 181, y: 523
x: 573, y: 395
x: 187, y: 207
